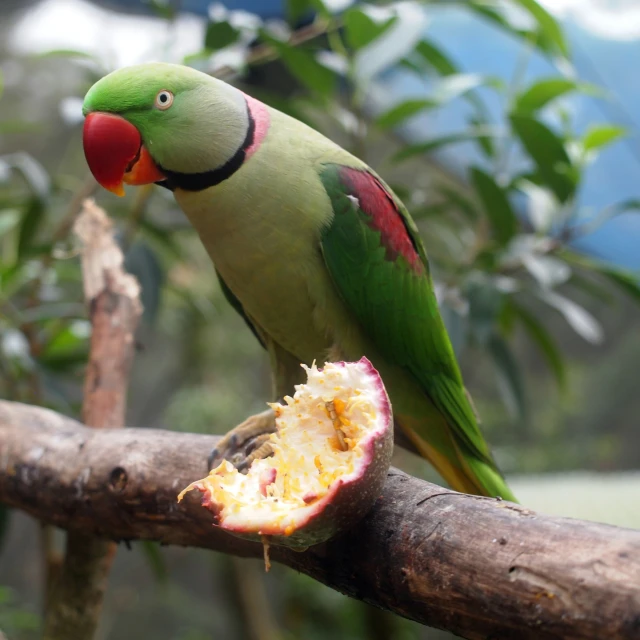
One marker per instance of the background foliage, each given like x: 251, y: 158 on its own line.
x: 527, y: 313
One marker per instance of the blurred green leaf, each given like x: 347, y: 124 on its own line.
x: 598, y: 291
x: 66, y: 53
x: 510, y: 383
x: 411, y: 150
x: 9, y: 219
x: 303, y: 66
x: 580, y: 320
x: 155, y: 559
x: 220, y: 35
x: 549, y: 26
x: 484, y: 135
x: 31, y: 170
x: 163, y: 237
x: 435, y: 58
x: 166, y: 9
x: 496, y: 205
x: 620, y: 208
x: 31, y: 221
x: 542, y: 205
x: 322, y: 8
x: 547, y: 35
x: 599, y: 136
x: 456, y: 85
x: 459, y: 201
x: 482, y: 8
x: 65, y: 350
x: 549, y: 271
x: 362, y: 29
x: 52, y: 310
x: 628, y: 281
x: 447, y: 89
x: 541, y: 93
x: 9, y: 127
x: 296, y: 9
x: 548, y: 153
x: 485, y: 305
x: 403, y: 111
x: 545, y: 343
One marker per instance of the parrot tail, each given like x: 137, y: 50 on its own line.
x: 464, y: 473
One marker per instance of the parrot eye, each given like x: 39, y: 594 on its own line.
x: 164, y: 99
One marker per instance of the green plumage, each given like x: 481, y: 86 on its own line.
x: 398, y: 309
x: 305, y: 263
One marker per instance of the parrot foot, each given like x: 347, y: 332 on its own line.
x: 246, y: 442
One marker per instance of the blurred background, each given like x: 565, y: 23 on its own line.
x: 509, y: 128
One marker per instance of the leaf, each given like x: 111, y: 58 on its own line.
x: 32, y: 218
x: 155, y: 560
x: 435, y: 144
x: 403, y: 111
x: 547, y: 270
x: 580, y: 320
x: 394, y: 44
x: 304, y: 67
x: 454, y: 86
x: 66, y: 53
x: 547, y: 37
x: 548, y: 153
x: 164, y: 9
x: 549, y: 26
x: 457, y: 200
x: 297, y: 9
x: 485, y: 304
x: 542, y: 205
x: 436, y: 58
x: 541, y: 93
x: 362, y: 29
x: 628, y: 281
x: 446, y: 90
x: 510, y: 383
x: 496, y: 206
x: 32, y: 171
x: 545, y: 343
x: 599, y: 136
x: 486, y: 136
x: 9, y: 218
x: 220, y: 35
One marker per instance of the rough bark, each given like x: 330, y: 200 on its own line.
x: 75, y: 600
x: 479, y: 567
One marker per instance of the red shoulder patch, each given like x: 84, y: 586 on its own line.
x: 384, y: 216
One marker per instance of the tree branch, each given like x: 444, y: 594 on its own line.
x: 476, y: 566
x: 75, y: 598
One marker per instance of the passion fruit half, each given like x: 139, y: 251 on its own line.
x: 331, y: 454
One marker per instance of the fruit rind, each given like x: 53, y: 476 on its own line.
x: 347, y: 499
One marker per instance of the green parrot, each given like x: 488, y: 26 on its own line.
x: 311, y: 247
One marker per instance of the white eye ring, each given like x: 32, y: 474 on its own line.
x: 164, y: 100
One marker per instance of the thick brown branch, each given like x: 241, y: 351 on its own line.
x: 476, y: 566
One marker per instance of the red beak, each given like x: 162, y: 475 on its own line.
x: 115, y: 153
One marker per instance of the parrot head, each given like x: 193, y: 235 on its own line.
x: 151, y: 122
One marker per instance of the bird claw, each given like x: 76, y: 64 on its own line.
x: 246, y: 442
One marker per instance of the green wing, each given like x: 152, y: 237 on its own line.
x: 378, y: 263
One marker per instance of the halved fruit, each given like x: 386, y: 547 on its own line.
x: 331, y: 454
